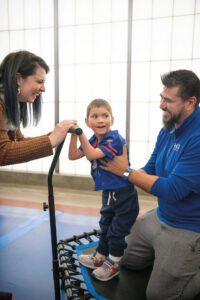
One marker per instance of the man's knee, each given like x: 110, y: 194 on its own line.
x: 134, y: 263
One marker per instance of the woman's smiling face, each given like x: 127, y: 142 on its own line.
x: 31, y: 86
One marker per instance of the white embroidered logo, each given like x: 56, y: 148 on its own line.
x: 176, y: 147
x: 94, y: 164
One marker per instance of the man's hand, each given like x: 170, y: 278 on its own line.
x: 118, y: 165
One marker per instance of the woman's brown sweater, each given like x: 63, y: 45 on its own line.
x: 15, y: 149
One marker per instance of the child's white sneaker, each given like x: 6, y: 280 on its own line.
x: 107, y: 271
x: 91, y: 261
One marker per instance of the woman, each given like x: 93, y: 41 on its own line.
x: 22, y: 80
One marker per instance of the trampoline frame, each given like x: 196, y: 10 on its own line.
x: 72, y: 279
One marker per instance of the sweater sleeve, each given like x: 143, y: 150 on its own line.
x: 184, y: 178
x: 15, y: 149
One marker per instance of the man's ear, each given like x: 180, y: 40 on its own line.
x: 192, y: 102
x: 86, y: 122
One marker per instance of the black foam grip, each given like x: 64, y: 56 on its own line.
x: 75, y: 130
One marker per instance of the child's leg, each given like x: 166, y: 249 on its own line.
x: 107, y: 214
x: 126, y: 210
x: 97, y: 258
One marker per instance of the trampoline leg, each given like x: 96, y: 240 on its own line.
x: 54, y: 246
x: 56, y: 279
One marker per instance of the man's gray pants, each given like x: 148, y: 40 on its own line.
x: 174, y: 253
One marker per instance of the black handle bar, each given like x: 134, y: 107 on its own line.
x: 53, y: 222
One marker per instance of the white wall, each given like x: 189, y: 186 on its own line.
x: 166, y: 36
x: 93, y: 61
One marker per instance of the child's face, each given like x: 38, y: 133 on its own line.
x: 100, y: 121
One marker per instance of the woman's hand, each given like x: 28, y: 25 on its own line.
x: 60, y: 132
x: 118, y: 165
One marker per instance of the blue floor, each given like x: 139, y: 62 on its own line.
x: 26, y: 253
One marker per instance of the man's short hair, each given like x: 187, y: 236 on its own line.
x: 188, y: 82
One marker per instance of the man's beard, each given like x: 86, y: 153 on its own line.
x: 170, y: 122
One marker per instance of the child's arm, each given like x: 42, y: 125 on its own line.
x: 90, y: 152
x: 74, y: 153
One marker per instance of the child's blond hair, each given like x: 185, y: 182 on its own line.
x: 99, y: 103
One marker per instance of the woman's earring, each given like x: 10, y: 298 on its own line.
x: 18, y: 90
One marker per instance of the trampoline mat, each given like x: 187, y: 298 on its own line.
x: 79, y: 284
x: 129, y: 285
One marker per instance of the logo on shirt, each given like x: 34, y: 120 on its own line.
x: 94, y: 164
x: 176, y: 147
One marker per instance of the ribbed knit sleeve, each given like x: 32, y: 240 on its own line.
x: 15, y: 149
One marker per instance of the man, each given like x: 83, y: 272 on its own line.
x: 169, y: 237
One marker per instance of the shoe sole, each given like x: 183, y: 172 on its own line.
x: 114, y: 275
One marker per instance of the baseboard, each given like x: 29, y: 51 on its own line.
x: 63, y: 181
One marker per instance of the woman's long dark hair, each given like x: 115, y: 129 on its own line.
x: 24, y: 63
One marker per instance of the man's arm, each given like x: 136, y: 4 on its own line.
x: 120, y: 163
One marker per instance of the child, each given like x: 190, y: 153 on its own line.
x: 119, y: 198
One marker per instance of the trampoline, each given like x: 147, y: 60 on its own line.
x: 75, y: 279
x: 78, y: 282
